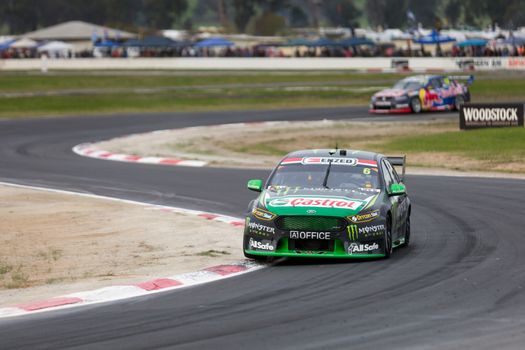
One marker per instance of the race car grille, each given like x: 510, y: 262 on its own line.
x: 311, y: 245
x: 311, y: 223
x: 382, y: 107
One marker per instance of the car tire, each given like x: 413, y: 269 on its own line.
x: 255, y: 257
x: 415, y: 105
x: 407, y: 232
x: 458, y: 102
x: 388, y: 239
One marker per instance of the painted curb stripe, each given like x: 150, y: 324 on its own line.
x: 159, y: 283
x: 225, y: 270
x: 44, y: 304
x: 89, y: 150
x: 114, y: 293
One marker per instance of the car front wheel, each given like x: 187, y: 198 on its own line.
x: 388, y: 239
x: 407, y: 232
x: 415, y: 105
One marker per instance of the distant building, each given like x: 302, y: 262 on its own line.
x: 79, y: 34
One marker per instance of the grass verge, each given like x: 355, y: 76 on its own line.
x: 427, y: 144
x: 91, y: 92
x: 491, y: 149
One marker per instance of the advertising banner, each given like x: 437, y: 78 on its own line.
x: 490, y: 115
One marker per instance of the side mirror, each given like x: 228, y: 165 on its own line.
x: 397, y: 189
x: 255, y: 185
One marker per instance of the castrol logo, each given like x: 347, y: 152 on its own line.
x: 320, y: 202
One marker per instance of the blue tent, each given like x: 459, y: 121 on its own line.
x: 515, y: 40
x: 159, y: 41
x: 213, y: 42
x: 298, y: 42
x: 106, y: 43
x: 434, y: 38
x: 356, y: 42
x: 133, y: 43
x: 472, y: 42
x: 154, y: 42
x: 6, y: 44
x: 322, y: 42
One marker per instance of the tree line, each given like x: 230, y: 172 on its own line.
x: 262, y: 17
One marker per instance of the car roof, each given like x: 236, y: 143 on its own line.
x: 339, y: 153
x: 420, y: 78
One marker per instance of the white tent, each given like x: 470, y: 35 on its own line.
x: 24, y: 43
x: 56, y: 49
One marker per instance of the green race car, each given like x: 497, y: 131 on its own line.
x: 329, y: 204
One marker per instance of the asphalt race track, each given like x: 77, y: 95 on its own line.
x: 460, y: 285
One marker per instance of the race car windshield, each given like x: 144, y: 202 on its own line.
x: 408, y: 85
x: 341, y: 177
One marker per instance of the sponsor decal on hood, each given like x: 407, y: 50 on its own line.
x: 327, y: 203
x: 390, y: 93
x: 319, y: 202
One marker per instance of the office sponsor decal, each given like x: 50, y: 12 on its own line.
x: 309, y: 235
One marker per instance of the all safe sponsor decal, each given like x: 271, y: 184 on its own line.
x: 260, y: 245
x: 362, y: 248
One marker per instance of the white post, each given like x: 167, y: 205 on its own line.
x: 43, y: 63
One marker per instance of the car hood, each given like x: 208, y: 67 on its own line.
x: 390, y: 93
x: 320, y: 202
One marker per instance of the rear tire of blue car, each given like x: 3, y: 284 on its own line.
x: 415, y: 105
x: 388, y: 239
x: 459, y: 101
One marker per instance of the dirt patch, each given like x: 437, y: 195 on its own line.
x: 57, y: 243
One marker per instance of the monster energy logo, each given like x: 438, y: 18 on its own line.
x: 353, y: 232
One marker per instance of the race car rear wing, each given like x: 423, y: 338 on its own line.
x: 469, y: 78
x: 398, y: 161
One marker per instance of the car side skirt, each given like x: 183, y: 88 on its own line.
x: 315, y: 255
x: 392, y: 110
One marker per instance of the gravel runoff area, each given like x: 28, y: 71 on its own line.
x: 261, y: 145
x: 53, y: 244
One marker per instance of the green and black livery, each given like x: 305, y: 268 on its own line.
x: 329, y: 204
